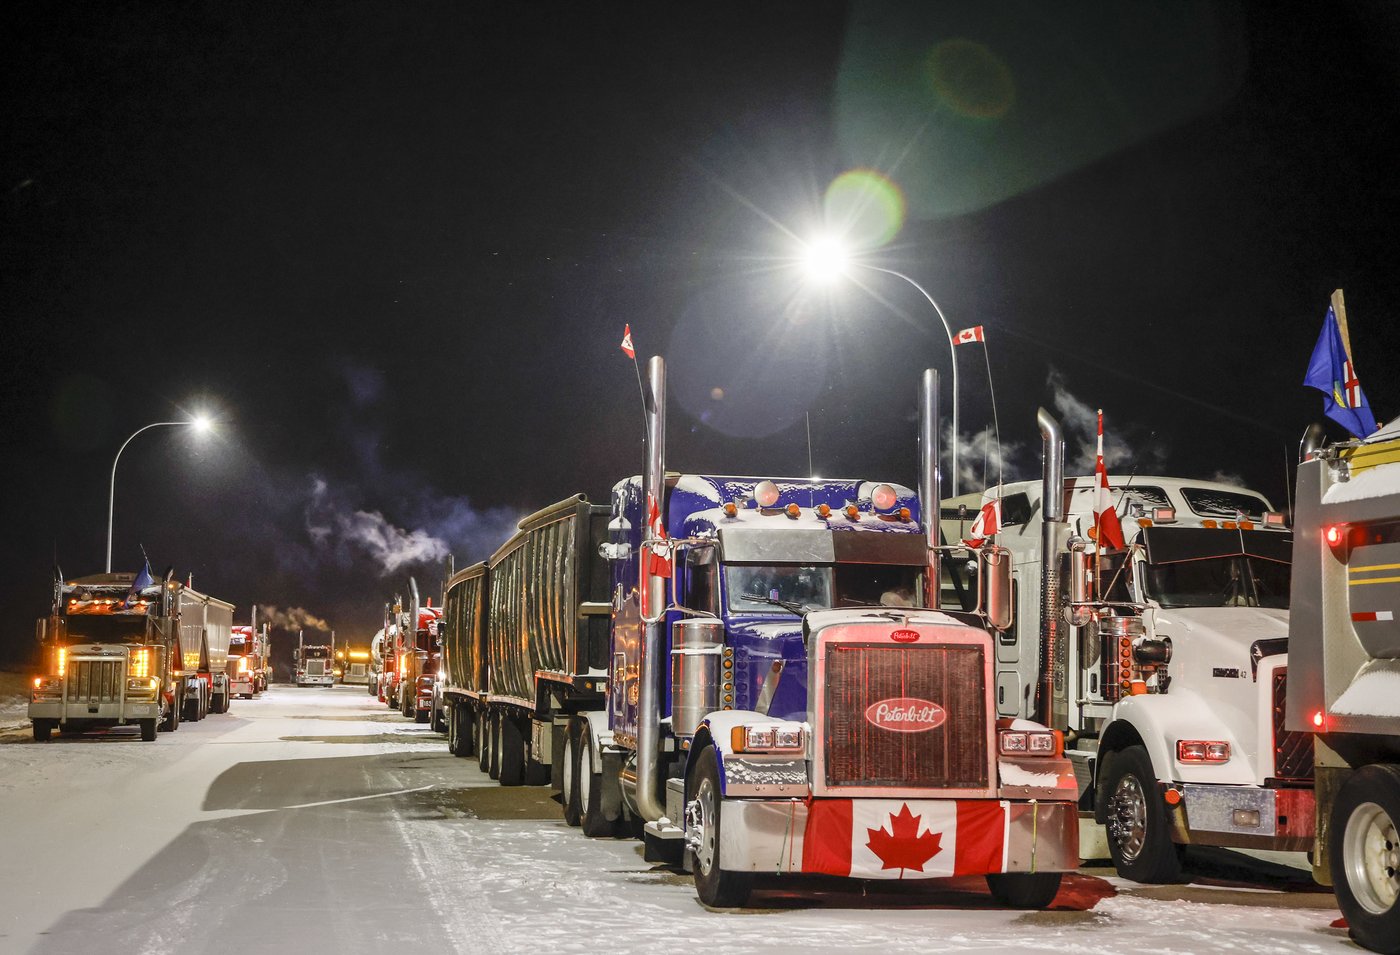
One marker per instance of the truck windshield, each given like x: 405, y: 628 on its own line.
x: 99, y: 629
x: 316, y: 653
x: 798, y: 588
x: 1232, y: 581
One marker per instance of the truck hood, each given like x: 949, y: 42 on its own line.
x: 1207, y: 639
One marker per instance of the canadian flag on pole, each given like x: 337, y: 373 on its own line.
x: 987, y: 523
x: 626, y: 345
x: 1107, y: 529
x: 969, y: 335
x: 887, y: 839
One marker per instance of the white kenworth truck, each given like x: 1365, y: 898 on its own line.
x: 1344, y: 638
x: 1167, y: 659
x: 119, y: 654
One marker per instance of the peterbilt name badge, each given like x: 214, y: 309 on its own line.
x: 905, y: 636
x: 905, y: 714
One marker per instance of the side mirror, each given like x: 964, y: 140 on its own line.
x: 610, y: 551
x: 996, y: 583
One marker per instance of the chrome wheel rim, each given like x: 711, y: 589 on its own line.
x: 700, y: 827
x: 568, y: 770
x: 585, y: 776
x: 1371, y: 857
x: 1127, y: 818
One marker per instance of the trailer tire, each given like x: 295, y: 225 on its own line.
x: 43, y: 729
x: 716, y: 887
x: 1365, y: 856
x: 422, y: 716
x: 1136, y: 820
x: 569, y: 794
x: 148, y: 730
x: 439, y: 714
x: 493, y: 759
x: 454, y: 731
x: 405, y: 702
x: 589, y: 788
x: 511, y: 761
x: 483, y: 741
x: 1024, y: 890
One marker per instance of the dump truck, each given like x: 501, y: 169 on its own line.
x: 118, y: 649
x: 753, y: 675
x: 1344, y: 641
x: 248, y: 660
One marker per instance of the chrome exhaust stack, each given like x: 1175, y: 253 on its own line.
x: 648, y: 805
x: 929, y: 482
x: 1052, y: 703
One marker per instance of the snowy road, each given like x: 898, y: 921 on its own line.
x: 316, y: 820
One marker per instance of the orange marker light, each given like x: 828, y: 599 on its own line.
x: 1317, y: 718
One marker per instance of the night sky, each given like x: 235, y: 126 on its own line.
x: 392, y: 247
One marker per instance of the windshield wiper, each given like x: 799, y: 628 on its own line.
x: 792, y: 606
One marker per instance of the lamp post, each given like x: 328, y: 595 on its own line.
x: 200, y: 423
x: 825, y: 258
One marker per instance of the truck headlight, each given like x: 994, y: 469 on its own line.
x: 771, y: 738
x: 1028, y: 743
x: 142, y: 686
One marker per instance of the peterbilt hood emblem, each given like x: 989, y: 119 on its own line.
x: 905, y: 714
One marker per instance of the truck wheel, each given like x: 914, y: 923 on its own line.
x: 72, y: 728
x: 1365, y: 858
x: 1024, y: 890
x: 483, y: 741
x: 371, y: 688
x: 406, y: 702
x: 171, y: 721
x: 569, y: 794
x: 1136, y: 820
x: 43, y: 729
x: 511, y: 761
x: 422, y: 716
x: 439, y: 719
x: 589, y: 789
x: 716, y: 887
x: 493, y: 766
x: 148, y: 730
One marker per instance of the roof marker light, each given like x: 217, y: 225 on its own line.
x: 823, y: 511
x: 731, y: 510
x: 793, y: 511
x: 852, y: 512
x: 883, y: 498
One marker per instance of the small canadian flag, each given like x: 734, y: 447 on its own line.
x: 1107, y: 528
x: 969, y: 335
x: 986, y: 524
x: 626, y: 345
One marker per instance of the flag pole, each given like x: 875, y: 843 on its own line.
x: 996, y: 423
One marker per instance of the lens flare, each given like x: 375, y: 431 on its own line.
x: 864, y: 208
x: 971, y: 79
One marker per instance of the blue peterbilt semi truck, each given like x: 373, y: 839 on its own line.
x: 755, y: 676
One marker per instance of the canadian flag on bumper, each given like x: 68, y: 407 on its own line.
x: 904, y: 839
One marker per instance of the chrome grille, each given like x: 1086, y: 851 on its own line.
x: 315, y: 668
x: 860, y: 754
x: 1293, y: 751
x: 95, y: 681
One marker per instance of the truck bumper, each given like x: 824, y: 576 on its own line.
x: 316, y: 681
x: 243, y: 687
x: 1246, y: 817
x: 127, y: 712
x: 898, y: 839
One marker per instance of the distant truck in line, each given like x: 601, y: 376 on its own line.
x: 353, y: 663
x: 249, y: 660
x: 1168, y: 659
x: 125, y: 649
x: 416, y: 654
x: 313, y: 664
x: 1344, y: 639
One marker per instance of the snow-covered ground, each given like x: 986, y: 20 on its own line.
x: 317, y: 820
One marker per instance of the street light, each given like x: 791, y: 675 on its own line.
x: 200, y: 423
x: 825, y: 259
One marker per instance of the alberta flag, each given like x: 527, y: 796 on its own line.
x: 1330, y: 372
x: 142, y: 581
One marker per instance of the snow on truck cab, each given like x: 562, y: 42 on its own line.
x: 1168, y: 658
x: 1345, y: 637
x: 750, y: 676
x: 125, y: 649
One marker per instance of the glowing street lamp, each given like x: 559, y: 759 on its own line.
x: 826, y: 259
x: 201, y: 425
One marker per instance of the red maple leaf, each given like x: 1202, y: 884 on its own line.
x: 902, y: 847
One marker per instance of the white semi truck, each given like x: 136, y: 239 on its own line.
x: 1168, y: 658
x: 1344, y: 637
